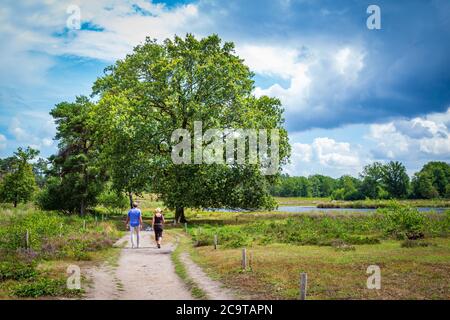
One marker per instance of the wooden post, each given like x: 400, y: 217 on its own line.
x: 250, y: 260
x: 27, y: 240
x: 185, y: 227
x: 244, y: 259
x: 60, y: 229
x: 303, y: 285
x: 215, y: 241
x: 96, y: 222
x: 84, y: 224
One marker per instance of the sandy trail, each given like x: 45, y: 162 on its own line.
x: 146, y: 273
x: 214, y: 290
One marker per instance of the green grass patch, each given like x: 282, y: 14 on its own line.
x: 181, y: 271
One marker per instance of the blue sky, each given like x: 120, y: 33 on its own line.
x: 351, y: 95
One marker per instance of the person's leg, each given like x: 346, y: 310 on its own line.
x: 131, y: 236
x: 160, y: 236
x: 155, y: 231
x: 137, y: 236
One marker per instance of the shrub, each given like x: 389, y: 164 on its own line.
x: 403, y: 222
x: 114, y: 202
x: 43, y: 287
x: 16, y: 270
x: 414, y: 244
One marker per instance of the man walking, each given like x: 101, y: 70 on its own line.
x: 134, y: 222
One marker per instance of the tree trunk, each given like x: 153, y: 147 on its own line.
x: 83, y: 207
x: 130, y: 196
x: 179, y: 215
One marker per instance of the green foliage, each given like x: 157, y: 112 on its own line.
x: 395, y: 179
x: 403, y: 222
x: 393, y: 222
x: 42, y: 287
x: 16, y: 270
x: 78, y: 177
x: 414, y: 244
x: 19, y: 185
x: 112, y: 200
x: 348, y: 189
x: 432, y: 181
x: 45, y: 229
x: 163, y: 87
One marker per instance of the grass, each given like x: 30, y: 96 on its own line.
x: 407, y: 273
x: 55, y: 241
x: 334, y: 249
x: 180, y: 269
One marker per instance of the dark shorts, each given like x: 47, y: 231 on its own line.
x: 158, y: 232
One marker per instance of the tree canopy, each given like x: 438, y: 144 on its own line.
x: 160, y: 88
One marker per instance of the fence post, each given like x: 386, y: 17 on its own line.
x: 84, y: 224
x: 27, y: 240
x: 303, y: 285
x: 215, y: 241
x: 185, y: 227
x: 60, y: 229
x: 244, y: 259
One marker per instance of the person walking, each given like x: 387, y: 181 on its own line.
x: 158, y: 226
x: 134, y: 222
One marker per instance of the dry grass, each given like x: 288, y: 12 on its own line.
x: 407, y: 273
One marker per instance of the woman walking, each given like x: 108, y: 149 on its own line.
x: 158, y: 226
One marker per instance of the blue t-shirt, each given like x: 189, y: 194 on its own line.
x: 134, y: 215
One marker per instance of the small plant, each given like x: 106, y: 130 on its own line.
x: 10, y: 270
x: 40, y: 287
x: 414, y: 243
x: 340, y: 245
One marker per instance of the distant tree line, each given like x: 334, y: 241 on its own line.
x: 376, y: 181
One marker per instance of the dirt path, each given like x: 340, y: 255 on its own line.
x: 214, y: 290
x: 146, y: 273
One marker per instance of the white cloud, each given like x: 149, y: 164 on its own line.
x: 421, y: 136
x: 349, y: 62
x: 317, y: 78
x: 335, y: 157
x: 33, y: 129
x: 28, y: 32
x: 17, y: 131
x: 335, y: 154
x: 2, y: 142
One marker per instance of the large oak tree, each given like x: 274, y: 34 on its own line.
x: 163, y: 87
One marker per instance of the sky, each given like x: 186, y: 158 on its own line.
x: 352, y: 95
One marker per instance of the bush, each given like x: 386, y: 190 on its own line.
x: 16, y: 270
x: 414, y: 244
x: 43, y: 287
x: 114, y: 202
x: 403, y: 222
